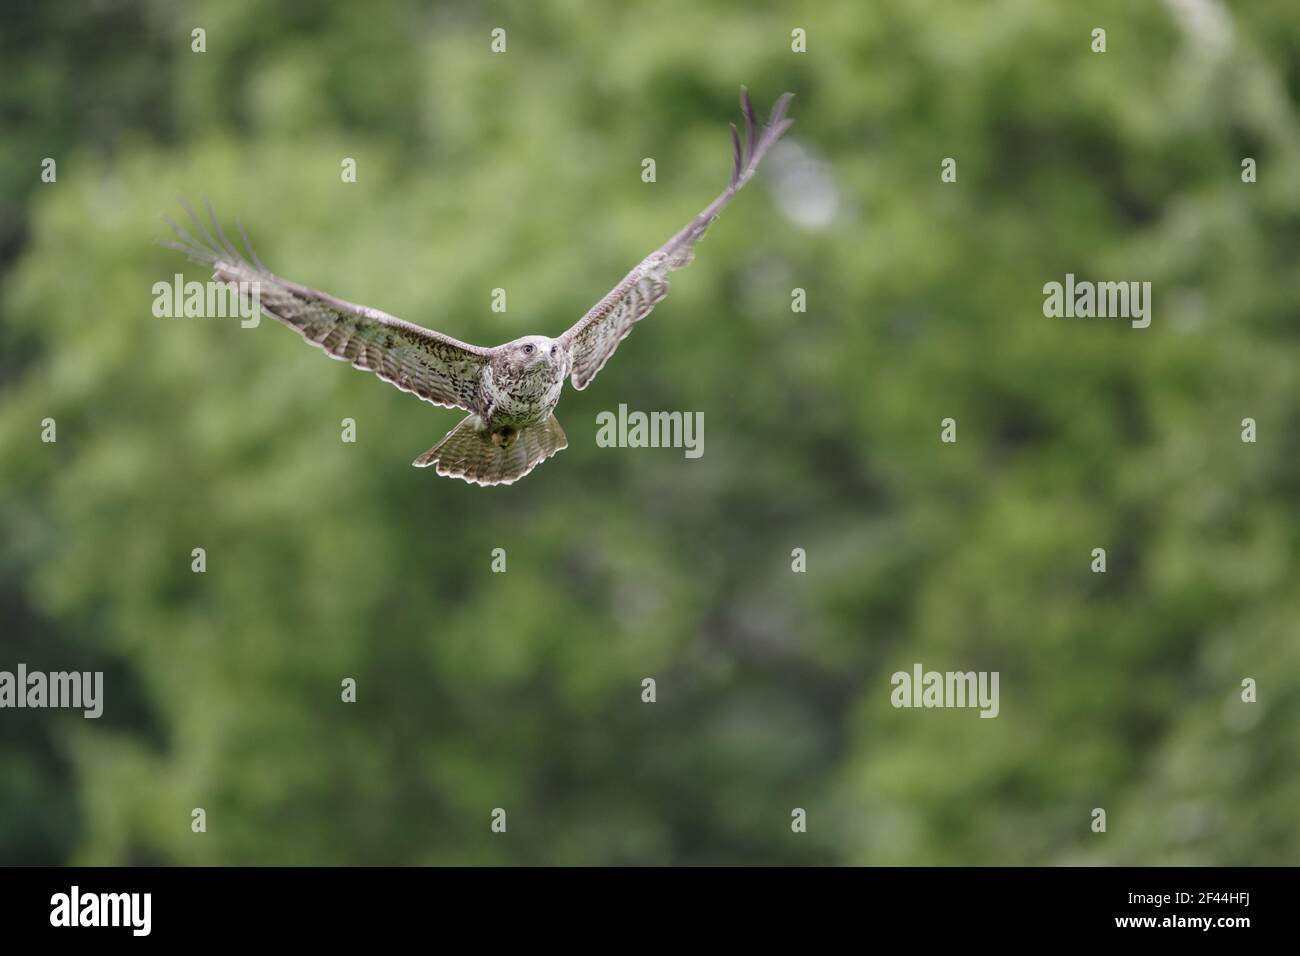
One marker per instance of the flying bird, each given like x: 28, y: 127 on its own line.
x: 510, y: 391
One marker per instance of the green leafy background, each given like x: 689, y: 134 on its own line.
x: 522, y: 690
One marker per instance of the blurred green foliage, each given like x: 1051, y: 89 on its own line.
x: 522, y: 690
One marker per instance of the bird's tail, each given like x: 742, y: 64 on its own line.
x: 475, y: 456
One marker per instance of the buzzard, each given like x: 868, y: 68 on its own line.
x: 509, y: 391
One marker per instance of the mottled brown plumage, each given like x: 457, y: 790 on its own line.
x: 509, y: 391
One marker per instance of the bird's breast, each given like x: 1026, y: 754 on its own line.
x: 523, y: 400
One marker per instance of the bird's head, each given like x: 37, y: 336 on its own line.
x: 534, y: 351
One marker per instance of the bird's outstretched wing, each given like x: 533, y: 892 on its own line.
x: 593, y: 339
x: 436, y: 367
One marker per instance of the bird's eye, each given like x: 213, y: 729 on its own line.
x: 528, y: 350
x: 554, y: 349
